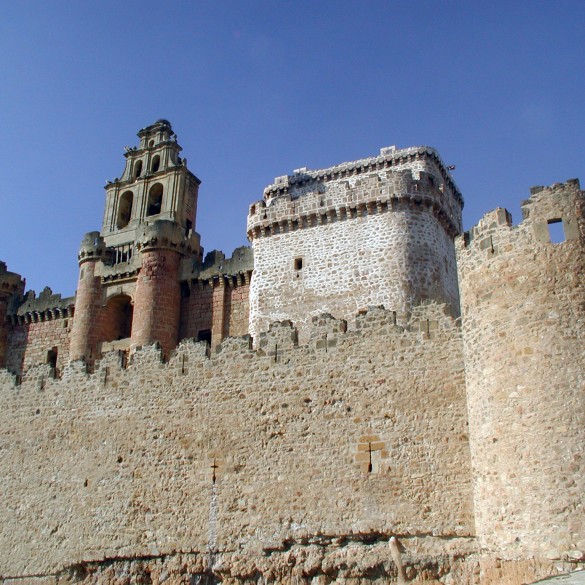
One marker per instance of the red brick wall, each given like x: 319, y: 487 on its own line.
x: 237, y: 310
x: 196, y: 310
x: 85, y: 334
x: 221, y: 308
x: 28, y: 344
x: 157, y: 304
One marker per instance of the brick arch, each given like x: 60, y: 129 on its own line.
x: 127, y: 289
x: 118, y: 315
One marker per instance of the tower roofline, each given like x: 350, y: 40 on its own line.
x: 389, y: 156
x: 161, y: 123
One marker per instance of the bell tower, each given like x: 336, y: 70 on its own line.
x: 128, y: 291
x: 155, y: 185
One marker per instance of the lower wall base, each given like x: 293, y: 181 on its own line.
x: 424, y: 561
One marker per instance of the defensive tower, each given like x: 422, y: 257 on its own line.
x: 129, y: 292
x: 377, y: 231
x: 523, y: 302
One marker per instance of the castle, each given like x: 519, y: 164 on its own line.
x: 367, y: 394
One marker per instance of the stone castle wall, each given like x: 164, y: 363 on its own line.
x: 301, y: 453
x: 523, y: 305
x: 243, y: 456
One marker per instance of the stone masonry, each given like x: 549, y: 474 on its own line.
x: 366, y: 395
x: 376, y: 231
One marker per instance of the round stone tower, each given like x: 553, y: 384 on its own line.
x: 377, y: 231
x: 523, y: 310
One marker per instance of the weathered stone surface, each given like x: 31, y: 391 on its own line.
x: 120, y: 463
x: 340, y: 240
x: 523, y: 305
x: 343, y: 442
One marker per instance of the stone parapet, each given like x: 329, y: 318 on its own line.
x: 238, y: 267
x: 92, y: 247
x: 165, y: 234
x: 389, y: 157
x: 374, y: 194
x: 46, y: 307
x: 10, y: 283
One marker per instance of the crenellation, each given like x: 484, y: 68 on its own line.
x: 47, y: 306
x: 365, y: 197
x: 321, y: 406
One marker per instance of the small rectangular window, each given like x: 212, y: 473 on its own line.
x: 204, y: 335
x: 556, y: 231
x: 298, y: 263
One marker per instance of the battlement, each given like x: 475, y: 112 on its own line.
x: 303, y: 180
x: 410, y: 177
x: 561, y: 203
x: 11, y: 291
x: 216, y: 266
x: 46, y: 307
x: 428, y: 321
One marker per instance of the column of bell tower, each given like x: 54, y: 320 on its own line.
x: 157, y: 300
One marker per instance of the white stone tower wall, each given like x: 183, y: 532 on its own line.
x: 395, y: 259
x: 378, y: 231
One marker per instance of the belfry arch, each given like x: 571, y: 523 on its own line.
x: 155, y: 196
x: 125, y: 209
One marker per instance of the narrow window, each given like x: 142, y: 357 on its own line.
x: 52, y: 358
x: 125, y: 209
x: 188, y: 227
x: 556, y: 231
x: 137, y: 169
x: 52, y: 362
x: 298, y: 263
x: 155, y: 196
x: 155, y: 163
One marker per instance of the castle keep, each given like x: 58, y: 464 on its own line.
x: 366, y: 394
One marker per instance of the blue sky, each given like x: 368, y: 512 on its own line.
x: 256, y: 88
